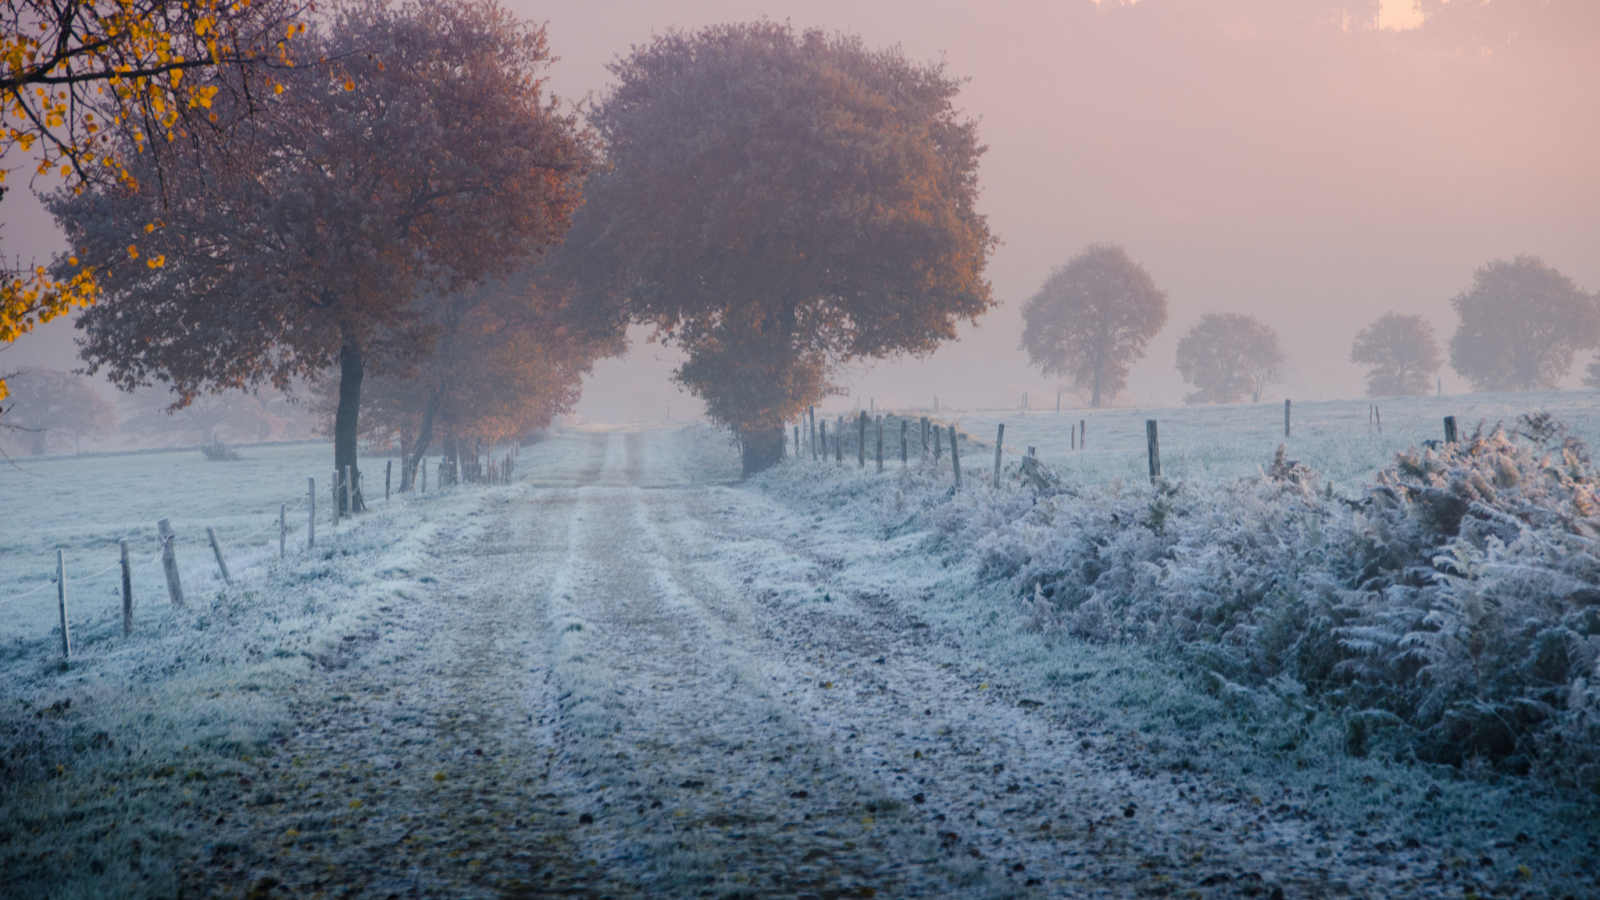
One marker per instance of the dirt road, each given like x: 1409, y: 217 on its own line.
x: 625, y: 677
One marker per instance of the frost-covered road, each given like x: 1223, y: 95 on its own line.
x: 625, y: 678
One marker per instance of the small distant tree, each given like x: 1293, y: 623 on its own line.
x: 1230, y: 356
x: 1092, y: 319
x: 53, y: 408
x: 778, y: 203
x: 1403, y: 355
x: 1521, y: 323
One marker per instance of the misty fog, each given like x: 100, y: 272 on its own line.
x: 1289, y: 160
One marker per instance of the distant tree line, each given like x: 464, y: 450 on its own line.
x: 1522, y: 322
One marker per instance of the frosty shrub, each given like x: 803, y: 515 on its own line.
x: 1452, y: 611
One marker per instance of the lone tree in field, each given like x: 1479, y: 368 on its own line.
x: 779, y: 203
x: 429, y: 162
x: 1229, y: 356
x: 1521, y: 322
x: 1092, y: 319
x: 49, y: 408
x: 1403, y: 355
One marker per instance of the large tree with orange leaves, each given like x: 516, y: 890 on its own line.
x: 84, y: 84
x: 426, y: 161
x: 778, y: 203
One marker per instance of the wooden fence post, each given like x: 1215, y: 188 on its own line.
x: 998, y: 438
x: 922, y: 452
x: 311, y: 515
x: 61, y: 598
x: 1285, y: 418
x: 938, y: 443
x: 350, y: 490
x: 955, y: 457
x: 222, y: 564
x: 822, y: 435
x: 283, y: 529
x: 335, y: 492
x: 905, y: 445
x: 127, y: 589
x: 1377, y: 414
x: 811, y: 420
x: 1074, y: 437
x: 1154, y: 446
x: 1058, y: 401
x: 880, y: 443
x: 388, y: 468
x: 1083, y: 434
x: 1449, y: 429
x: 838, y: 442
x: 169, y: 561
x: 861, y: 445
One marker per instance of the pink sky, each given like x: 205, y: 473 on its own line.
x: 1262, y: 156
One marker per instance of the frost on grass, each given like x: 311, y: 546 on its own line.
x: 1450, y: 612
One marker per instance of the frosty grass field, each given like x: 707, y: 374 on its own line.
x: 223, y: 679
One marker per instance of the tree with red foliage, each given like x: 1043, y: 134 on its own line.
x: 430, y: 162
x: 779, y: 203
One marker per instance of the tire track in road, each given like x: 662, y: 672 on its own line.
x: 701, y: 781
x: 422, y: 767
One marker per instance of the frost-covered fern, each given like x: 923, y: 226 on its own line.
x: 1454, y: 607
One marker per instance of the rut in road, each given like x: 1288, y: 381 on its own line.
x: 703, y: 780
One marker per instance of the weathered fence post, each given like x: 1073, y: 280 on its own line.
x: 861, y: 445
x: 61, y: 598
x: 169, y: 561
x: 938, y: 443
x: 388, y: 470
x: 1074, y: 437
x: 1058, y: 401
x: 955, y: 456
x: 1083, y: 434
x: 127, y: 588
x: 350, y: 490
x: 1285, y: 418
x: 335, y: 494
x: 283, y: 529
x: 423, y: 468
x: 311, y: 520
x: 923, y: 452
x: 880, y: 443
x: 838, y: 442
x: 905, y: 444
x: 1449, y: 429
x: 1377, y: 414
x: 1154, y: 447
x: 811, y: 419
x: 998, y: 438
x: 822, y: 434
x: 222, y: 564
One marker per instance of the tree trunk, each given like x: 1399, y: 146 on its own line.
x: 424, y: 438
x: 760, y: 449
x: 1095, y: 400
x: 351, y: 371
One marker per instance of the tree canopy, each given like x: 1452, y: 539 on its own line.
x: 1092, y: 319
x: 429, y: 162
x: 778, y: 203
x: 1521, y: 323
x: 1229, y: 356
x: 1402, y: 353
x: 87, y: 84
